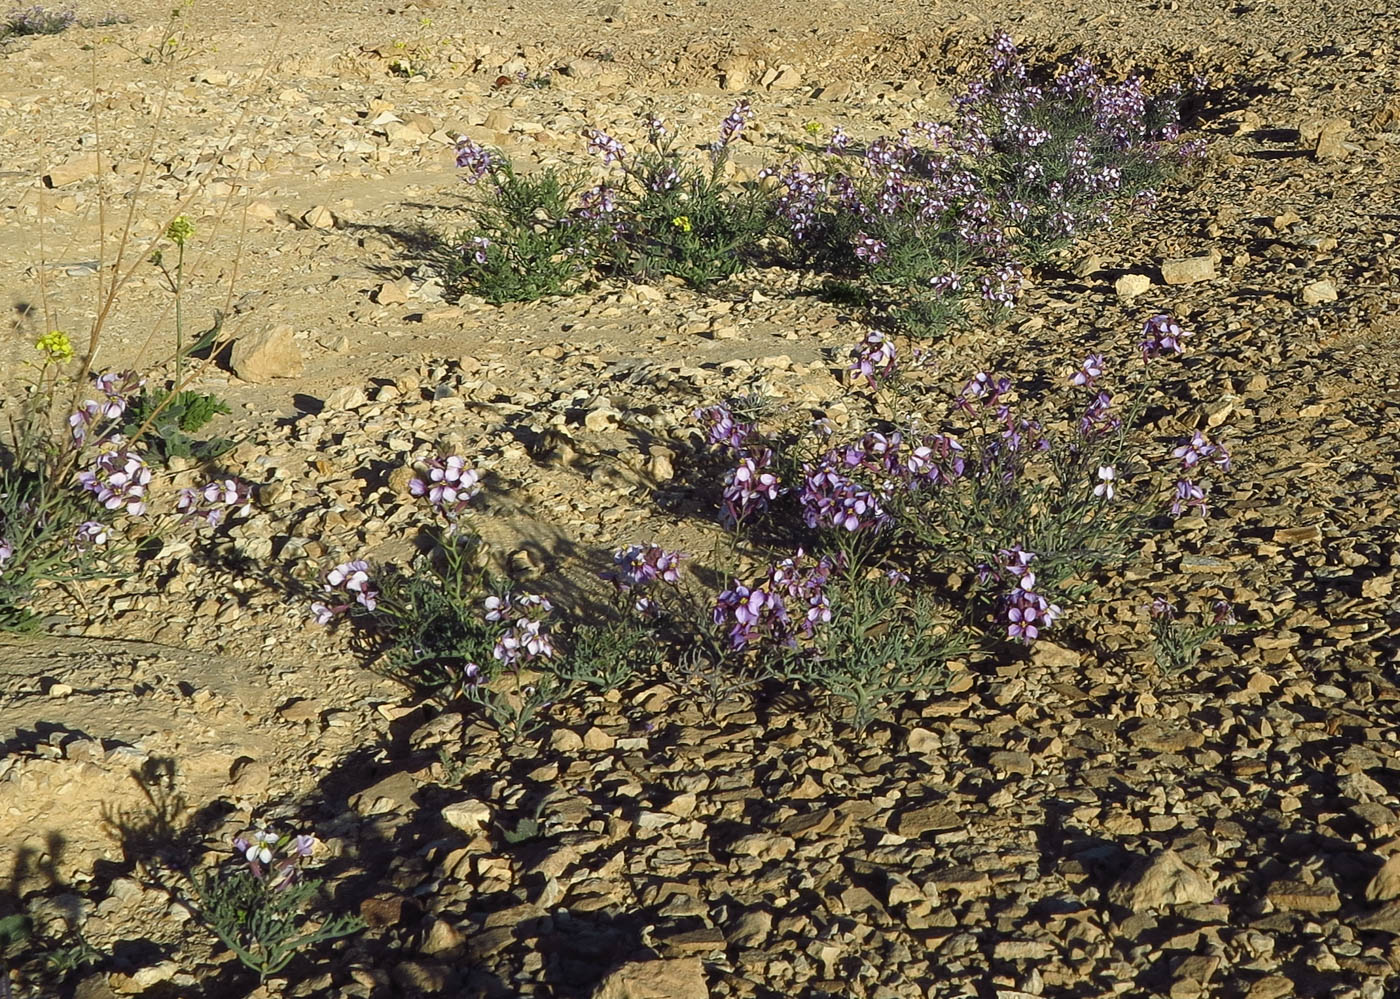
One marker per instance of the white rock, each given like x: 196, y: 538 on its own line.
x: 1320, y: 291
x: 470, y: 816
x: 1188, y: 270
x: 1132, y: 285
x: 319, y: 217
x: 271, y: 353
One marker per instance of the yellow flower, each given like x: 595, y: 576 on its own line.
x: 813, y: 128
x: 55, y: 346
x: 682, y: 222
x: 179, y: 230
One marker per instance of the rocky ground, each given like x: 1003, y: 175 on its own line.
x: 1072, y: 823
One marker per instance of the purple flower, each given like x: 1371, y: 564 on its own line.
x: 214, y: 501
x: 478, y: 246
x: 505, y: 606
x: 981, y: 386
x: 791, y: 603
x: 118, y: 478
x: 732, y: 125
x: 1006, y: 60
x: 1187, y: 494
x: 448, y: 483
x: 663, y: 179
x: 639, y: 566
x: 1091, y: 369
x: 869, y: 249
x: 832, y: 499
x: 597, y: 204
x: 721, y: 429
x: 750, y: 486
x: 1003, y: 286
x: 942, y: 284
x: 89, y: 534
x: 475, y: 159
x: 7, y: 550
x: 347, y: 584
x: 602, y: 144
x: 523, y: 639
x: 1198, y: 449
x: 1161, y: 608
x: 1162, y: 335
x: 874, y: 359
x: 116, y: 388
x: 523, y: 642
x: 1098, y: 417
x: 1027, y: 613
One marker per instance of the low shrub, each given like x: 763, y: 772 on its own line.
x: 1009, y: 514
x: 940, y: 221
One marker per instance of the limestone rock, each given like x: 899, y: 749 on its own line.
x: 1188, y: 270
x: 1320, y: 291
x: 1130, y: 286
x: 271, y: 353
x: 1385, y: 886
x: 676, y: 978
x: 1165, y: 880
x: 73, y: 170
x: 393, y: 292
x: 928, y: 818
x: 319, y: 217
x: 470, y: 816
x: 1299, y: 896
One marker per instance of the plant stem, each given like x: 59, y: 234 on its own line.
x: 179, y: 315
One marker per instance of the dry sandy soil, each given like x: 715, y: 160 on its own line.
x: 1071, y: 823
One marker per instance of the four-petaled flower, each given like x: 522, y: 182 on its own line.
x: 1104, y: 489
x: 603, y: 144
x: 448, y: 483
x: 215, y: 500
x: 1162, y: 335
x: 346, y: 585
x: 1091, y: 369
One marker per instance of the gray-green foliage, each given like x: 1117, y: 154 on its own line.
x: 266, y: 924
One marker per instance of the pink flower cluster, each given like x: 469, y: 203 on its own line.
x: 347, y: 584
x: 118, y: 478
x: 448, y: 483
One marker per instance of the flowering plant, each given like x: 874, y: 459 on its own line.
x: 257, y: 902
x: 670, y: 215
x: 525, y: 241
x: 67, y: 481
x: 942, y: 217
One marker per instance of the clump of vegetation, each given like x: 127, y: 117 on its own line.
x: 260, y: 902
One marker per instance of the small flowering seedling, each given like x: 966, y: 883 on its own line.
x: 1176, y: 645
x: 259, y: 902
